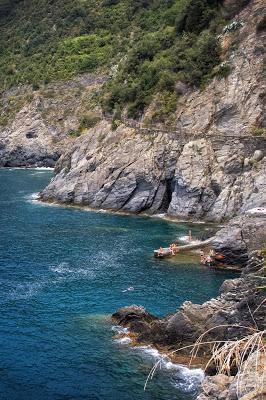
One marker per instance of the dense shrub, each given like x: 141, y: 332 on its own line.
x: 89, y: 120
x: 150, y: 44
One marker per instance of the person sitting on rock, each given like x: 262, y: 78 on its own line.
x: 202, y: 257
x: 208, y: 260
x: 212, y: 253
x: 175, y: 248
x: 171, y: 249
x: 160, y: 252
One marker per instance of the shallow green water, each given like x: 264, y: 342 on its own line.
x: 62, y: 272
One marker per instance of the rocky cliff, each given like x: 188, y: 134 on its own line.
x: 37, y: 126
x: 134, y: 172
x: 200, y: 168
x: 227, y: 317
x: 238, y: 312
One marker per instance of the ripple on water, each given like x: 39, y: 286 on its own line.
x: 67, y: 272
x: 62, y: 273
x: 23, y: 291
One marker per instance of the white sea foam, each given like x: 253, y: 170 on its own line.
x: 25, y: 290
x: 154, y: 353
x: 123, y: 340
x: 34, y: 196
x: 66, y: 272
x: 119, y: 329
x: 188, y: 379
x: 158, y: 215
x: 129, y: 289
x: 44, y: 168
x: 184, y: 378
x: 63, y: 273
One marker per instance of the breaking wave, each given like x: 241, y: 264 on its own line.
x: 187, y: 380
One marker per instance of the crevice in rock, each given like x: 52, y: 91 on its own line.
x: 169, y: 186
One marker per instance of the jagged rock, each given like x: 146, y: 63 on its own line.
x: 242, y: 235
x: 248, y: 384
x: 257, y: 156
x: 215, y: 387
x: 131, y: 171
x: 227, y: 317
x: 38, y: 133
x: 134, y: 317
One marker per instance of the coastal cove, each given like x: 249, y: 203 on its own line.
x: 64, y: 271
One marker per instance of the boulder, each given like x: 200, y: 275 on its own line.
x: 242, y: 235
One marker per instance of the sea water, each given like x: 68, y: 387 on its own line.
x: 63, y: 271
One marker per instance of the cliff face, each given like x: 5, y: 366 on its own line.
x: 129, y: 171
x: 233, y: 105
x: 208, y: 174
x: 38, y: 124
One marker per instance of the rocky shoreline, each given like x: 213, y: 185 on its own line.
x: 229, y: 310
x: 238, y: 310
x: 209, y: 174
x: 131, y: 172
x: 233, y: 314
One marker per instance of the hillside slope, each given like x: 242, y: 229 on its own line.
x: 205, y: 175
x: 145, y: 46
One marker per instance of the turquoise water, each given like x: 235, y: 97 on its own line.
x: 62, y: 272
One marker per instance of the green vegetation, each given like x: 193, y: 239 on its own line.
x: 145, y: 46
x: 258, y: 130
x: 89, y: 120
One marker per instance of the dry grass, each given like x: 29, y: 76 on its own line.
x: 226, y: 354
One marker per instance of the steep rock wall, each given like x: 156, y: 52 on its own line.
x: 213, y: 175
x: 234, y: 104
x: 128, y: 171
x: 38, y: 124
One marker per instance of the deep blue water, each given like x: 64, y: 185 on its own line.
x: 62, y: 272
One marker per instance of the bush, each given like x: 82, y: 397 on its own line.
x: 223, y: 70
x: 152, y: 43
x: 74, y: 133
x: 89, y: 120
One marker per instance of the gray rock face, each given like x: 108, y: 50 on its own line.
x: 248, y: 384
x: 242, y: 235
x: 28, y: 141
x: 39, y: 122
x: 214, y: 178
x: 135, y: 172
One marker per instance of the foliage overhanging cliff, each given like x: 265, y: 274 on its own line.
x: 145, y: 46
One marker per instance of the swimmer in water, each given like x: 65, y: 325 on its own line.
x: 129, y: 289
